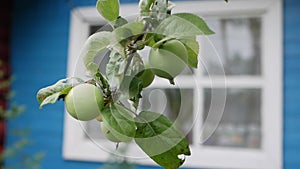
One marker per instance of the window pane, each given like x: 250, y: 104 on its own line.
x: 237, y: 43
x: 240, y: 125
x: 176, y: 104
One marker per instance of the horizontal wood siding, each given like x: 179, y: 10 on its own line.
x: 291, y: 84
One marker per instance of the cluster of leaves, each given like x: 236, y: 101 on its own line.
x: 155, y: 27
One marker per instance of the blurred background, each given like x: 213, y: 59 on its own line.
x: 35, y: 49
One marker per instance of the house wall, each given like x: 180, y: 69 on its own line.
x: 291, y: 79
x: 5, y: 22
x: 40, y: 32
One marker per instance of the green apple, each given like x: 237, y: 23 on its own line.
x: 169, y: 59
x: 84, y: 102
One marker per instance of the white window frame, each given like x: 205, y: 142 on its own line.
x: 76, y: 147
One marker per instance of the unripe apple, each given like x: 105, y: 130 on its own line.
x: 84, y: 102
x: 169, y: 59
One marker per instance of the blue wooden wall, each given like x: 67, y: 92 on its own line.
x: 39, y: 57
x: 291, y: 84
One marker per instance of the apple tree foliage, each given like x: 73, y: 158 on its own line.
x: 173, y: 46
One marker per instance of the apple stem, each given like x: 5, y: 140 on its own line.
x: 172, y: 81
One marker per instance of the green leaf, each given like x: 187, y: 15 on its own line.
x: 94, y: 44
x: 131, y: 86
x: 115, y: 69
x: 122, y: 35
x: 127, y: 31
x: 135, y: 90
x: 109, y: 9
x: 160, y: 140
x: 197, y: 21
x: 119, y: 121
x: 183, y: 25
x: 102, y: 82
x: 50, y: 99
x: 136, y: 65
x: 51, y: 94
x: 135, y: 87
x: 192, y: 47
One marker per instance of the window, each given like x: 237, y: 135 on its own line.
x: 230, y: 108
